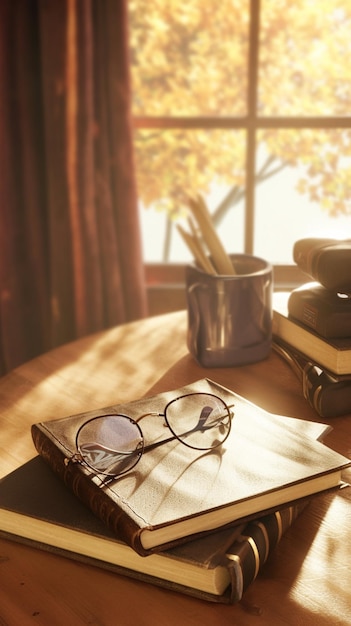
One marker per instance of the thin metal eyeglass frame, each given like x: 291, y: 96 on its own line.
x: 79, y: 458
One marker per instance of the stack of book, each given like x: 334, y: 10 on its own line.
x: 316, y: 341
x: 312, y: 324
x: 200, y: 522
x: 294, y: 323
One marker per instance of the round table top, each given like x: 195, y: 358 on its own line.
x: 307, y: 577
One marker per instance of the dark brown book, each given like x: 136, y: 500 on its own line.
x: 37, y: 509
x: 175, y: 492
x: 333, y: 354
x: 326, y: 312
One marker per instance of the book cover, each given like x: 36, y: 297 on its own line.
x: 37, y: 509
x: 175, y: 492
x: 334, y: 354
x: 326, y: 312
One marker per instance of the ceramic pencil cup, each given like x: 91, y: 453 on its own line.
x: 230, y: 317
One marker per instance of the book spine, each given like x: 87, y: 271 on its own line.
x: 87, y: 491
x: 308, y: 315
x: 250, y: 551
x: 305, y: 340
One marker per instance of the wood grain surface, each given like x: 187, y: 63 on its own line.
x: 305, y: 581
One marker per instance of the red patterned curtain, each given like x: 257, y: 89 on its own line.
x: 70, y: 248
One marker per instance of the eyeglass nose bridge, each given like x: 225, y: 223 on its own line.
x: 149, y: 414
x: 153, y: 414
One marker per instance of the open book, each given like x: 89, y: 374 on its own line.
x: 176, y: 492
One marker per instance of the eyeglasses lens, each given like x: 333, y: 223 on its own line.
x: 110, y: 444
x: 199, y: 420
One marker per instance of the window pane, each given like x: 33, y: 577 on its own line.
x: 189, y: 58
x: 171, y: 164
x: 305, y: 192
x: 304, y: 57
x: 156, y: 229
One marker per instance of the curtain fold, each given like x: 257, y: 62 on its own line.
x: 70, y: 246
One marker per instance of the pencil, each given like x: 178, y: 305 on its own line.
x: 221, y: 260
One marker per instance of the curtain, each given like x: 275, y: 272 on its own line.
x: 70, y: 247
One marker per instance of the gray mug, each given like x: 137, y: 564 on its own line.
x: 230, y: 317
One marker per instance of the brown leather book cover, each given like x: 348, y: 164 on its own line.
x: 36, y: 509
x: 175, y: 492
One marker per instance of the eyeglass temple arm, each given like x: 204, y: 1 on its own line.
x: 199, y: 426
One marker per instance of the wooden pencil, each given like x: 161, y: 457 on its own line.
x: 221, y: 260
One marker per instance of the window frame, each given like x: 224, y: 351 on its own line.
x: 165, y: 281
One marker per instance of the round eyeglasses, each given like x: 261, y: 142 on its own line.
x: 113, y: 444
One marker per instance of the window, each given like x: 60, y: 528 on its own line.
x: 247, y: 102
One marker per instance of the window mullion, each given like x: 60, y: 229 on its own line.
x: 252, y: 125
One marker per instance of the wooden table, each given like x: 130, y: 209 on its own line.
x: 307, y: 579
